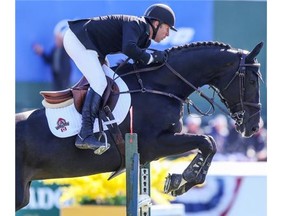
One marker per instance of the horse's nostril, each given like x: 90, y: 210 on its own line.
x: 255, y: 129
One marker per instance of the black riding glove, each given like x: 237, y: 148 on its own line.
x: 159, y: 56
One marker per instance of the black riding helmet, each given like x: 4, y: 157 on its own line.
x: 163, y: 13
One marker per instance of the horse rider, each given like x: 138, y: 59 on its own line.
x: 88, y: 40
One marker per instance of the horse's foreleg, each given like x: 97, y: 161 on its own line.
x: 196, y: 171
x: 184, y: 186
x: 200, y: 164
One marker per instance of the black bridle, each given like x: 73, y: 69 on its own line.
x: 238, y: 116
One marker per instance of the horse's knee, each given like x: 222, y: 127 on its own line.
x: 209, y: 147
x: 212, y: 145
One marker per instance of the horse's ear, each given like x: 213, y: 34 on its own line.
x: 254, y: 52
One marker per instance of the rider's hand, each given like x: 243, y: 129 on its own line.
x: 159, y: 56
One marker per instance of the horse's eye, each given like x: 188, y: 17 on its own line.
x: 252, y: 82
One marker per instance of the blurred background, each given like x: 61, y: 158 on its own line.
x: 236, y: 184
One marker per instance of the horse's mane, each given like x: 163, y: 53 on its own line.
x: 200, y: 44
x: 128, y: 66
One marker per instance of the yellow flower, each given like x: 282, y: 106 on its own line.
x: 98, y: 188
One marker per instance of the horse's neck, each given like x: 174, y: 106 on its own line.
x: 203, y: 67
x: 198, y: 68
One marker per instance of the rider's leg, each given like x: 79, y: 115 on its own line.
x: 88, y: 63
x: 86, y: 138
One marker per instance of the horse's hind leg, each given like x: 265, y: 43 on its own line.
x: 22, y: 192
x: 22, y: 196
x: 197, y: 170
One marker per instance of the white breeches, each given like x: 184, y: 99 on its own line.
x: 87, y: 62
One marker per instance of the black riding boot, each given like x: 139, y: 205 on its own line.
x: 86, y: 139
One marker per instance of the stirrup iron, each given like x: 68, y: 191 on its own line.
x: 102, y: 149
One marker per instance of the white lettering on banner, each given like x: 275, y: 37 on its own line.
x: 184, y: 35
x: 44, y: 198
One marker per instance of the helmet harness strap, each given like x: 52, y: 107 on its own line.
x: 155, y: 30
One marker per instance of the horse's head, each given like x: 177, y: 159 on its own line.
x: 241, y: 93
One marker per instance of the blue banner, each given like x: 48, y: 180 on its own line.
x: 35, y: 22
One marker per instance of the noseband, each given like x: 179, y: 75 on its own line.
x: 238, y: 116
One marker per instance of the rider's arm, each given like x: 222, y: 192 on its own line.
x: 131, y: 34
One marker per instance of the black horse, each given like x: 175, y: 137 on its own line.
x: 233, y: 73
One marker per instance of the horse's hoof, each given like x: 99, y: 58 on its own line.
x: 172, y: 182
x: 102, y: 149
x: 183, y: 189
x: 187, y: 186
x: 179, y: 191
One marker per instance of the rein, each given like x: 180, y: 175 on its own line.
x: 237, y: 116
x: 186, y: 101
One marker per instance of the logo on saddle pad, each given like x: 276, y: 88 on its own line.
x: 61, y: 124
